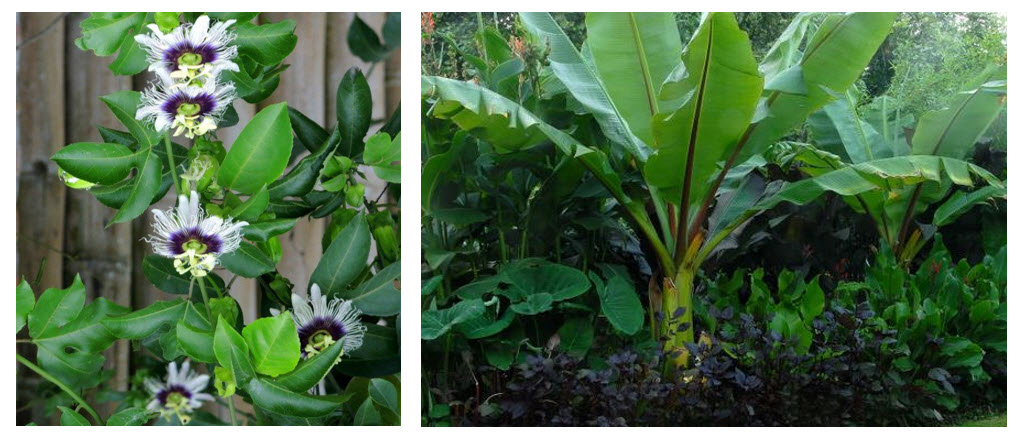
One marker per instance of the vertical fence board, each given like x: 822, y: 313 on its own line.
x: 100, y: 255
x: 303, y: 87
x: 41, y: 195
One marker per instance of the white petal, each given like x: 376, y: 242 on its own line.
x: 198, y: 31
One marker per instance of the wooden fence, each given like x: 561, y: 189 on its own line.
x: 61, y: 232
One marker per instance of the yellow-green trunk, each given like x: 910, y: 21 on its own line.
x: 677, y: 294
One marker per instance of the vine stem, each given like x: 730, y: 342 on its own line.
x: 205, y: 297
x: 170, y: 160
x: 42, y: 373
x: 233, y: 413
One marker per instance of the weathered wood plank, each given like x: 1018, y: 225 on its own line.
x: 101, y: 256
x: 303, y: 86
x: 40, y: 122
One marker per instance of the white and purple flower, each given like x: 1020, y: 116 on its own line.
x: 191, y: 110
x: 191, y: 54
x: 321, y: 322
x: 194, y: 241
x: 180, y: 394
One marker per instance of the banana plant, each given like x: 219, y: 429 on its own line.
x: 693, y: 120
x: 842, y: 135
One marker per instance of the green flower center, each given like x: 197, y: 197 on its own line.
x: 189, y: 59
x: 195, y: 245
x: 318, y: 342
x: 189, y: 109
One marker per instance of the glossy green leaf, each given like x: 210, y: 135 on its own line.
x: 367, y: 414
x: 262, y: 231
x: 103, y: 33
x: 354, y: 111
x: 231, y: 352
x: 253, y: 207
x: 145, y: 188
x: 276, y: 398
x: 384, y: 394
x: 273, y: 342
x: 247, y: 261
x: 384, y: 155
x: 68, y: 417
x: 310, y: 371
x: 72, y: 352
x: 25, y: 303
x: 144, y: 322
x: 124, y: 104
x: 56, y: 307
x: 132, y: 416
x: 100, y: 163
x: 379, y: 355
x: 365, y: 44
x: 345, y: 259
x: 379, y: 295
x: 260, y: 152
x: 961, y: 202
x: 267, y: 44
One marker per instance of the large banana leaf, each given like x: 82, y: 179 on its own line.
x: 953, y: 131
x: 786, y: 50
x: 835, y: 57
x: 582, y: 80
x: 962, y: 201
x: 508, y: 126
x: 881, y: 175
x: 837, y: 128
x: 633, y: 54
x: 719, y: 84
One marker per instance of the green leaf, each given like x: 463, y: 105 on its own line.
x: 72, y: 351
x: 257, y: 88
x: 962, y: 352
x: 379, y: 355
x: 309, y: 133
x: 311, y: 370
x: 68, y: 417
x: 132, y: 416
x: 345, y: 259
x: 274, y: 344
x: 813, y: 301
x: 536, y: 303
x: 954, y: 131
x: 382, y: 154
x: 131, y: 58
x: 25, y: 303
x: 384, y: 393
x: 56, y: 307
x: 160, y: 271
x: 260, y: 152
x: 278, y: 399
x: 378, y: 296
x: 354, y: 111
x: 123, y: 104
x: 231, y: 352
x: 251, y: 209
x: 961, y: 202
x: 436, y: 323
x: 146, y: 186
x: 247, y: 261
x: 144, y: 322
x: 262, y: 231
x: 365, y: 44
x: 267, y: 44
x: 103, y: 33
x: 718, y: 85
x: 634, y: 52
x: 582, y: 80
x: 834, y: 58
x: 100, y: 163
x: 486, y: 325
x: 367, y: 414
x: 576, y: 336
x: 620, y: 304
